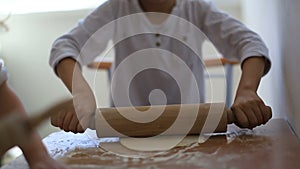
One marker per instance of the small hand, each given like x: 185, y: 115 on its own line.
x: 67, y: 120
x: 250, y: 110
x: 13, y: 131
x: 78, y: 117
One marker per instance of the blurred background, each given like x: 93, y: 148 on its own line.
x: 29, y: 27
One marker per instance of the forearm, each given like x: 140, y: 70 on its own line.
x: 69, y: 72
x: 10, y: 103
x: 83, y: 99
x: 65, y: 71
x: 252, y: 71
x: 5, y: 141
x: 34, y: 149
x: 11, y: 110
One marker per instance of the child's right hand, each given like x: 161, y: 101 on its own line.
x: 78, y: 117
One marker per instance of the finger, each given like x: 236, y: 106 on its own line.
x: 67, y: 121
x: 258, y: 112
x: 264, y: 110
x: 92, y: 124
x: 242, y: 120
x: 253, y: 122
x: 79, y: 128
x: 267, y: 113
x: 73, y: 124
x: 85, y: 122
x: 60, y: 120
x: 55, y: 119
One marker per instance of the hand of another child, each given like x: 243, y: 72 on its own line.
x: 13, y: 131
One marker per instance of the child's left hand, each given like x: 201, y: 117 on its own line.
x: 250, y: 110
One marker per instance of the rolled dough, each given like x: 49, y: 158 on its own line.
x: 118, y: 149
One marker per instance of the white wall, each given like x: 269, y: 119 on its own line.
x: 26, y: 48
x: 290, y: 58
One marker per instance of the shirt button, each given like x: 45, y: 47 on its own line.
x: 157, y: 44
x: 157, y: 35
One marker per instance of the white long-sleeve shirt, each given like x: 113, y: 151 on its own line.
x: 165, y: 56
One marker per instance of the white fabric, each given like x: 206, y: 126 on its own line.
x: 3, y: 73
x: 87, y: 40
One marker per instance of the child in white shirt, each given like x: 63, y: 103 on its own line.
x: 133, y: 31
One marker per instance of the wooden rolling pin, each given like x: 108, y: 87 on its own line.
x: 109, y: 122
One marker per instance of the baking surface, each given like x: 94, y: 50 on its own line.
x: 270, y: 146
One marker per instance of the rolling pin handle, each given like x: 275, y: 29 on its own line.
x: 230, y: 117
